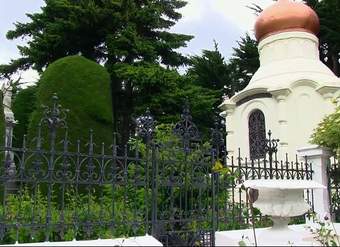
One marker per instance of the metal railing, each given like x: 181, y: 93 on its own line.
x: 334, y: 188
x: 180, y: 190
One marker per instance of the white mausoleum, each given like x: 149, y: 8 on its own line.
x: 292, y: 90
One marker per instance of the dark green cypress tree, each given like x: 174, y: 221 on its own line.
x: 329, y: 14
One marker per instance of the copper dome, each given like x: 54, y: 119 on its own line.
x: 286, y: 15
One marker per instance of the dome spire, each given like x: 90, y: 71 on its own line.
x: 286, y: 15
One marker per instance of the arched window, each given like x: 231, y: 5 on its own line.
x: 257, y: 134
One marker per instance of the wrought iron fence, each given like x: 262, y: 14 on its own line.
x: 236, y: 211
x: 334, y: 188
x: 177, y: 188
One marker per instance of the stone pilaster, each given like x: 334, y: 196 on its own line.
x: 281, y: 97
x: 229, y: 109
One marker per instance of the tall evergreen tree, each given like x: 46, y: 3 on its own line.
x: 208, y: 76
x: 129, y: 36
x: 210, y: 69
x: 329, y: 14
x: 217, y: 77
x: 243, y: 63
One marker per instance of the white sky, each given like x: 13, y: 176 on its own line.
x: 222, y: 20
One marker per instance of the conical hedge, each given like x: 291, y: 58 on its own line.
x: 83, y: 87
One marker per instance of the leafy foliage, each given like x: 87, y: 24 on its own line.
x: 327, y: 134
x: 244, y: 63
x: 228, y: 77
x: 24, y: 104
x: 329, y: 14
x: 210, y: 78
x: 30, y: 206
x: 210, y: 70
x: 203, y: 103
x: 164, y: 92
x: 207, y: 80
x: 324, y: 233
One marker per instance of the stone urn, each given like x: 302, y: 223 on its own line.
x: 281, y: 199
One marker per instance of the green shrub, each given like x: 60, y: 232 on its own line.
x: 24, y: 103
x: 83, y: 87
x: 28, y: 210
x: 327, y: 134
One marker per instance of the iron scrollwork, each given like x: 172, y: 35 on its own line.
x: 218, y: 141
x: 271, y: 145
x: 186, y: 129
x: 145, y: 125
x: 55, y: 116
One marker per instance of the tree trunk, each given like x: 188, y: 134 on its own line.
x: 127, y: 113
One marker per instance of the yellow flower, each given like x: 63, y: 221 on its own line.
x: 217, y: 166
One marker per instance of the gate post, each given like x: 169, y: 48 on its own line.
x: 154, y: 168
x: 320, y: 158
x: 214, y: 213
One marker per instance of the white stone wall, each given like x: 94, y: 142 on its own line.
x: 237, y: 124
x: 305, y: 109
x: 291, y: 118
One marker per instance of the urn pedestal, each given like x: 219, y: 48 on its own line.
x: 281, y: 199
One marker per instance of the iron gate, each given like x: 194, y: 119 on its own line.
x: 184, y: 186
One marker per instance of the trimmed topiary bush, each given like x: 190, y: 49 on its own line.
x: 83, y: 87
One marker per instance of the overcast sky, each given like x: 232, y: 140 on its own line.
x: 222, y: 20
